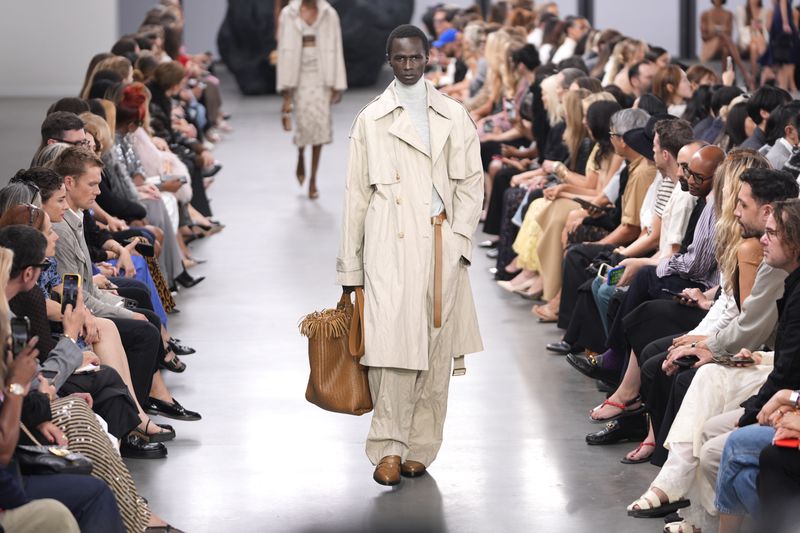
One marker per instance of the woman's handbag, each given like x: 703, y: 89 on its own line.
x: 38, y: 459
x: 338, y: 382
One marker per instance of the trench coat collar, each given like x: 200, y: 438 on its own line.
x: 294, y: 8
x: 439, y: 121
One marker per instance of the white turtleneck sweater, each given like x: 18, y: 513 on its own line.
x: 414, y: 100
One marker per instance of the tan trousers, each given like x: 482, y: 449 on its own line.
x: 550, y: 250
x: 39, y: 516
x: 410, y: 405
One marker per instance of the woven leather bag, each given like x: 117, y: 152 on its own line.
x: 337, y: 382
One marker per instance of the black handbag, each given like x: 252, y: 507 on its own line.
x: 37, y: 459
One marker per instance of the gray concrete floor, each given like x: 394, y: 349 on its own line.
x: 263, y: 459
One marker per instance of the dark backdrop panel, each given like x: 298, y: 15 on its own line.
x: 246, y: 39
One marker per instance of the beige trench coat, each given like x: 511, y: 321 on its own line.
x: 386, y: 241
x: 329, y: 45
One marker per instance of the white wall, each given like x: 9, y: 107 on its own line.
x: 47, y: 44
x: 653, y: 21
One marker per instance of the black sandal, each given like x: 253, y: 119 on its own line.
x: 161, y: 436
x: 173, y: 365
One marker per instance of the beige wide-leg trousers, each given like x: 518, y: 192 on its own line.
x: 409, y: 405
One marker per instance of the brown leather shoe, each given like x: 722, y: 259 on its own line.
x: 388, y: 471
x: 412, y: 469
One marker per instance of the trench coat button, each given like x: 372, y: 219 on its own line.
x: 397, y: 176
x: 398, y: 201
x: 401, y: 235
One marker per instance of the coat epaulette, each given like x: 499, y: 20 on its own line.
x: 353, y: 125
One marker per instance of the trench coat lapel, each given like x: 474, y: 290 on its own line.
x: 440, y: 130
x: 403, y: 129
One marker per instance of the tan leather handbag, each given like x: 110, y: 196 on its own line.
x: 338, y: 382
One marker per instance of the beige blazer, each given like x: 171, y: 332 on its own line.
x: 329, y: 44
x: 386, y: 238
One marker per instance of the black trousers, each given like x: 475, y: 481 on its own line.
x: 646, y: 285
x: 662, y: 394
x: 657, y: 319
x: 143, y: 344
x: 494, y: 211
x: 575, y: 274
x: 779, y: 489
x: 585, y: 330
x: 134, y: 289
x: 89, y: 500
x: 111, y: 399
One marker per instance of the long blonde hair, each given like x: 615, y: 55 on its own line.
x: 6, y: 259
x: 550, y: 93
x: 574, y: 133
x: 727, y: 183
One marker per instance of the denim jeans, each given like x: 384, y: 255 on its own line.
x: 602, y: 292
x: 736, y: 482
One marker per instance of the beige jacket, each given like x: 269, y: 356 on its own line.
x: 329, y: 44
x: 386, y: 241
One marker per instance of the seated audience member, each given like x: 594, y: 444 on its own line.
x: 81, y: 171
x: 702, y: 425
x: 759, y: 106
x: 784, y: 136
x: 637, y: 177
x: 672, y: 87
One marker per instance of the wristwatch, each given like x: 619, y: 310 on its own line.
x: 794, y: 398
x: 16, y: 389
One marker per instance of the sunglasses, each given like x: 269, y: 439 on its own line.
x: 32, y: 186
x: 44, y: 265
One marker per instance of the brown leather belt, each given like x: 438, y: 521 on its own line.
x: 309, y: 40
x: 437, y: 222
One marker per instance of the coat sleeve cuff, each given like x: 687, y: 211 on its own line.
x: 350, y: 272
x: 463, y: 230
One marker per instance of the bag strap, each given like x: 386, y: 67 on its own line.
x: 356, y: 340
x: 29, y: 434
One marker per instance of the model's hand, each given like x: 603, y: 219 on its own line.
x: 336, y: 97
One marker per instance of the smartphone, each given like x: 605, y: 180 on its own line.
x: 145, y: 249
x: 589, y: 206
x: 788, y: 443
x: 170, y: 177
x: 488, y: 126
x: 615, y: 274
x: 69, y: 292
x: 742, y: 360
x: 602, y: 272
x: 687, y: 361
x: 729, y: 63
x: 130, y: 304
x: 20, y: 334
x: 678, y: 295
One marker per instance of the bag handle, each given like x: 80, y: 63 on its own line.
x: 356, y: 340
x: 28, y: 433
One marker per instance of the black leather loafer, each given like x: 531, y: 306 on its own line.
x: 172, y: 410
x: 135, y: 447
x: 631, y: 428
x: 560, y: 347
x: 180, y: 349
x: 591, y: 367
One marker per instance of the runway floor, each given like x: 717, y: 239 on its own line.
x: 264, y: 460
